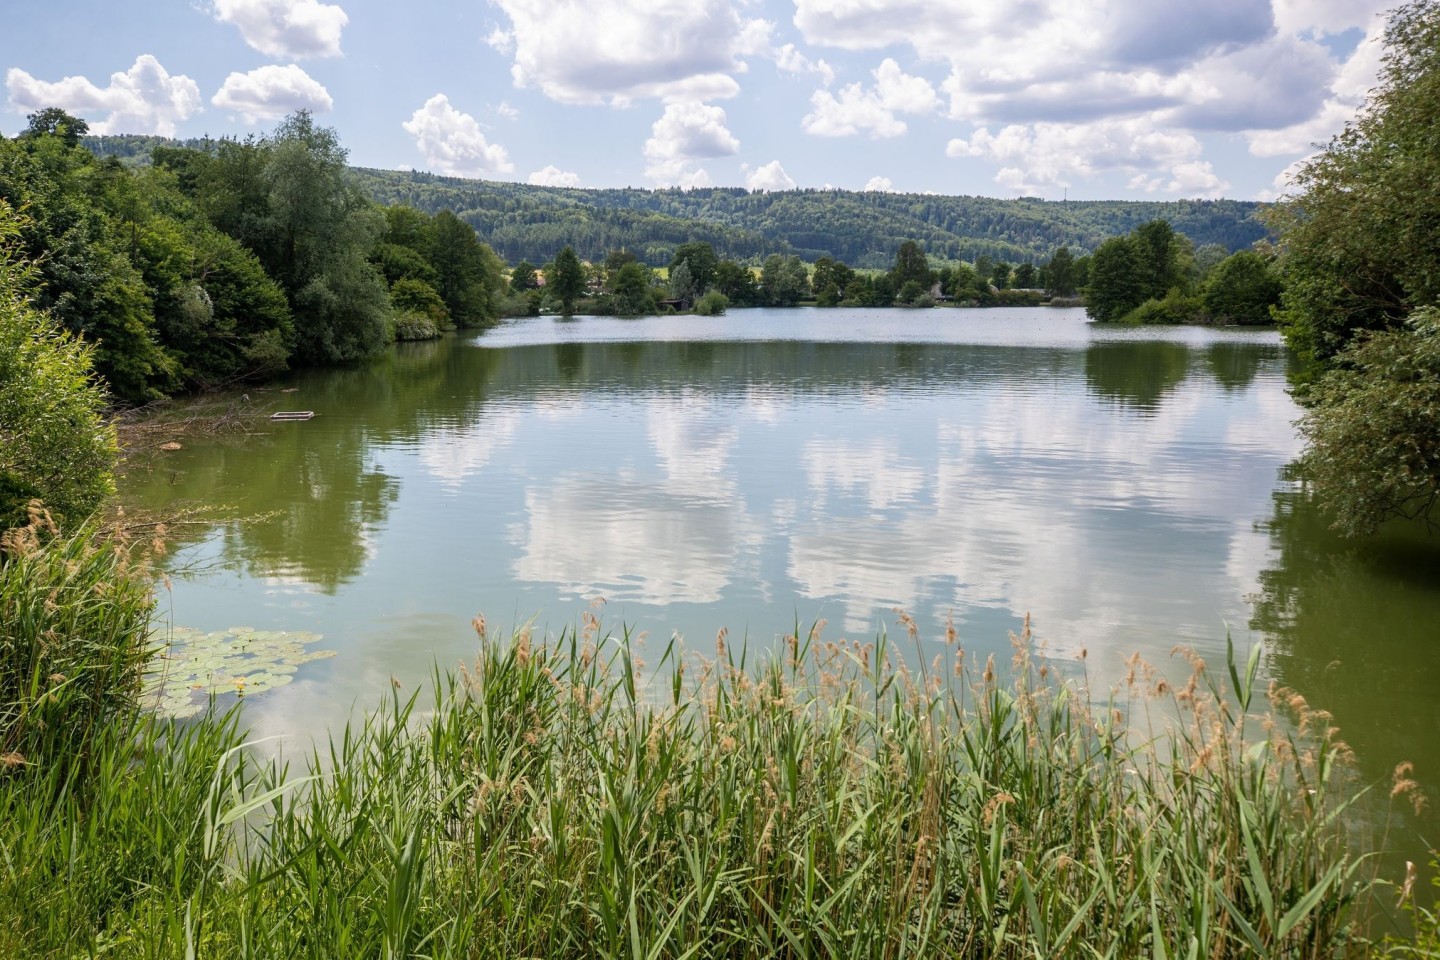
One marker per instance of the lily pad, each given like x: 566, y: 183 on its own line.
x: 191, y: 666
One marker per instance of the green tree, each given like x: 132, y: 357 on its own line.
x: 1060, y: 274
x: 784, y: 281
x: 55, y: 122
x: 54, y: 441
x: 1372, y: 428
x: 682, y: 284
x: 1025, y: 276
x: 523, y: 277
x: 1242, y: 289
x: 1361, y: 239
x: 1000, y: 276
x: 469, y: 276
x: 699, y: 257
x: 737, y: 282
x: 633, y: 295
x: 1118, y: 280
x: 566, y: 279
x: 911, y: 264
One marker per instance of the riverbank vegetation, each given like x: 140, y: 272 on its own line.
x: 1361, y: 258
x: 840, y: 799
x: 209, y: 267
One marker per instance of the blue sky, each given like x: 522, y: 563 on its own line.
x: 1125, y: 99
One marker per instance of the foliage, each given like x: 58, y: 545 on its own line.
x: 737, y: 283
x: 911, y: 266
x: 829, y: 803
x: 784, y: 281
x: 191, y: 668
x: 713, y: 304
x: 565, y: 280
x: 633, y: 296
x: 700, y: 261
x: 1242, y: 289
x: 1373, y: 427
x: 1176, y: 306
x: 76, y: 612
x: 1361, y: 239
x: 523, y: 277
x: 412, y: 325
x: 524, y: 221
x: 1117, y: 280
x: 419, y: 297
x: 54, y: 441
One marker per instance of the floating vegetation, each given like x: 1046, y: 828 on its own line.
x: 192, y: 666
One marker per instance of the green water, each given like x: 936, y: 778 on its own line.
x: 770, y: 468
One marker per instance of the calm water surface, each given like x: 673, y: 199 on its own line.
x: 752, y: 471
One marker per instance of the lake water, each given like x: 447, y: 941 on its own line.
x: 768, y: 468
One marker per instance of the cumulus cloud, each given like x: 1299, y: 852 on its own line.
x: 143, y: 99
x: 286, y: 28
x: 615, y: 51
x: 1265, y: 71
x: 1038, y: 156
x: 789, y: 59
x: 270, y: 92
x: 879, y: 185
x: 858, y: 109
x: 685, y: 133
x: 553, y: 176
x: 453, y: 143
x: 771, y: 176
x: 1345, y: 94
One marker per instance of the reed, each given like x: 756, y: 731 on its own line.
x: 559, y: 800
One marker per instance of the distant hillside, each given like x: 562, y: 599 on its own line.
x: 521, y: 221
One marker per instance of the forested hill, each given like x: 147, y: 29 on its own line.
x: 525, y: 222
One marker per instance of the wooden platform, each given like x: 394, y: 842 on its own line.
x: 292, y: 415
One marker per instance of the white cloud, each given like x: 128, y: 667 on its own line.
x: 507, y: 111
x: 143, y: 99
x: 789, y: 59
x: 453, y: 143
x: 1039, y: 156
x: 553, y: 176
x: 270, y: 92
x: 615, y: 51
x: 687, y: 132
x: 857, y: 109
x: 286, y: 28
x: 879, y: 185
x: 1258, y: 69
x: 771, y: 176
x: 1343, y: 99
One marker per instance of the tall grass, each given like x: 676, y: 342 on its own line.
x: 74, y: 621
x: 831, y: 802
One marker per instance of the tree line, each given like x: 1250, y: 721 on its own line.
x: 861, y: 228
x: 232, y: 262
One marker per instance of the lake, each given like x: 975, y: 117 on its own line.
x: 774, y: 468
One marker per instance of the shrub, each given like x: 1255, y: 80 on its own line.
x: 713, y: 304
x: 1373, y: 428
x: 412, y: 325
x: 54, y: 441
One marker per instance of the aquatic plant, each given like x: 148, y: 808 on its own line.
x: 191, y: 668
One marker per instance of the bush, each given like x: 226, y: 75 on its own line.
x: 713, y: 304
x: 1177, y: 307
x: 54, y: 441
x: 412, y: 325
x: 1373, y: 427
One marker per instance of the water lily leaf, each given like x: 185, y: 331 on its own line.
x: 191, y: 666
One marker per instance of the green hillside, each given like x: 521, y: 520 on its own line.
x: 521, y: 221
